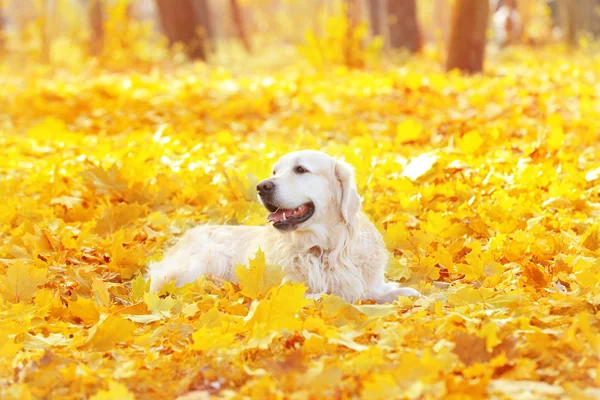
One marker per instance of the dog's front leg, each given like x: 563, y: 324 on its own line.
x: 390, y: 291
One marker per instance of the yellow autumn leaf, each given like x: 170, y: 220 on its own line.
x: 84, y: 309
x: 101, y: 294
x: 556, y: 137
x: 470, y: 142
x: 109, y: 331
x: 474, y: 267
x: 205, y: 339
x: 116, y: 391
x: 115, y: 217
x: 489, y: 332
x: 259, y: 278
x: 21, y: 282
x: 484, y: 187
x: 279, y: 310
x: 139, y: 286
x: 158, y: 304
x: 409, y: 130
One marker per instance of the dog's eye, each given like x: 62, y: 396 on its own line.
x: 274, y: 172
x: 300, y: 170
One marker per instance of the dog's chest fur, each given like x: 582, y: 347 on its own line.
x: 323, y: 270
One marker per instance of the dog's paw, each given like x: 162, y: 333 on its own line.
x: 313, y: 296
x: 407, y: 292
x: 391, y: 291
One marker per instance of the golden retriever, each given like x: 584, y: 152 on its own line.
x: 318, y: 236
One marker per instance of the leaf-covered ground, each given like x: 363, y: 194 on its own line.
x: 487, y: 190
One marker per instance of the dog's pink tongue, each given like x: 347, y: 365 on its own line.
x: 279, y: 215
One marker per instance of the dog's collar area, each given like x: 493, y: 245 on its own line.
x: 316, y: 251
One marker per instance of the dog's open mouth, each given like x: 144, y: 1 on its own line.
x: 284, y: 220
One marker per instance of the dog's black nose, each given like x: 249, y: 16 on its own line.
x: 265, y: 186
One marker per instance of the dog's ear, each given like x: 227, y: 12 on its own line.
x: 348, y: 198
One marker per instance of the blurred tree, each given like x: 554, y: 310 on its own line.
x: 404, y: 28
x: 2, y: 28
x: 44, y: 18
x: 466, y: 47
x: 238, y: 22
x: 567, y: 10
x: 96, y: 20
x: 375, y: 16
x: 202, y: 10
x: 182, y: 22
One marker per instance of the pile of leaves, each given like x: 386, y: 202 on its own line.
x: 486, y: 189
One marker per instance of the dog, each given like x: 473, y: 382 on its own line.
x: 317, y: 234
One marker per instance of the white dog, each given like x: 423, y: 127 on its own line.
x: 318, y: 236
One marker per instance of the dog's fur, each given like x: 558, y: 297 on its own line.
x: 335, y: 251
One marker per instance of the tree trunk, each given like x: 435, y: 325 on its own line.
x: 238, y: 23
x: 96, y: 20
x: 404, y: 28
x: 180, y: 24
x: 466, y: 47
x: 568, y: 17
x: 2, y: 28
x: 204, y: 19
x: 45, y: 18
x: 375, y: 17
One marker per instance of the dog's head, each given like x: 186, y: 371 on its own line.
x: 309, y: 188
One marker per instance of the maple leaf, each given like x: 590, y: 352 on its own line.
x: 105, y: 181
x: 206, y: 338
x: 84, y: 309
x: 408, y: 131
x: 116, y: 391
x: 114, y: 217
x: 259, y: 278
x: 590, y: 239
x: 475, y: 268
x: 470, y: 348
x: 470, y: 142
x: 108, y: 331
x: 21, y: 282
x: 101, y: 294
x: 278, y: 310
x: 158, y: 304
x: 139, y: 286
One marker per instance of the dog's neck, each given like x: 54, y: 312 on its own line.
x: 321, y: 237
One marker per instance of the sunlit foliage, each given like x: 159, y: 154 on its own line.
x: 485, y: 188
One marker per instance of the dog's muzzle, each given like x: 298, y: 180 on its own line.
x: 281, y: 218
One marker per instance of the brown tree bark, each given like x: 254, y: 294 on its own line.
x: 568, y: 18
x: 96, y: 20
x: 44, y: 17
x: 2, y: 28
x: 404, y: 28
x: 238, y: 23
x: 375, y: 17
x: 466, y: 47
x: 181, y: 24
